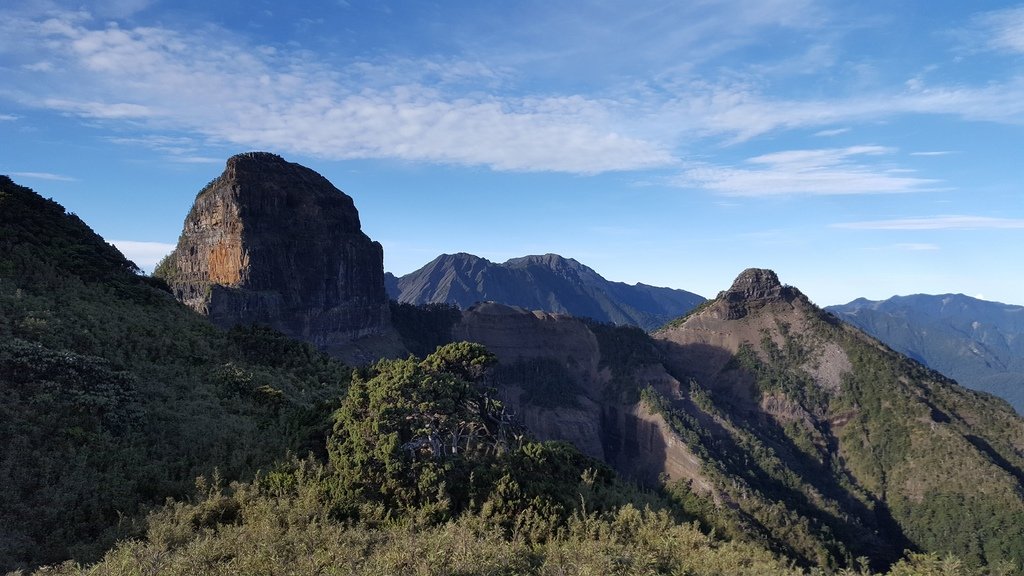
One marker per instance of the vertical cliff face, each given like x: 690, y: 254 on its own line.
x: 273, y: 242
x: 581, y: 403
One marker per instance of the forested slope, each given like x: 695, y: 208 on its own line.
x: 117, y: 397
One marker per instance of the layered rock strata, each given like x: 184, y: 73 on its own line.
x: 273, y: 242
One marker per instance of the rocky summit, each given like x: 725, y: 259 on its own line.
x: 891, y: 454
x: 757, y: 416
x: 755, y: 287
x: 546, y: 282
x: 273, y: 242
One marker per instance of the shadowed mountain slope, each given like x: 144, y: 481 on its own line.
x: 978, y: 343
x: 859, y: 440
x: 116, y: 397
x: 776, y: 422
x: 550, y: 283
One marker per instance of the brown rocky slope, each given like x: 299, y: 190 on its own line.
x: 791, y: 427
x: 869, y: 451
x: 557, y: 376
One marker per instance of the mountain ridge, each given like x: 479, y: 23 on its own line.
x: 805, y: 432
x: 548, y: 282
x: 866, y: 433
x: 977, y: 342
x: 758, y: 414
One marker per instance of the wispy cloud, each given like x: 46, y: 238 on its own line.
x: 7, y: 117
x: 832, y: 132
x: 181, y: 149
x: 217, y: 87
x: 1002, y: 29
x: 100, y: 110
x: 224, y: 89
x: 823, y: 172
x: 43, y: 66
x: 916, y: 246
x: 197, y: 159
x: 933, y: 153
x: 739, y: 112
x: 119, y: 8
x: 44, y: 176
x: 937, y: 223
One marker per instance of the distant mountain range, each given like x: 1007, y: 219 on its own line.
x: 758, y: 417
x: 809, y: 435
x: 550, y: 283
x: 978, y: 343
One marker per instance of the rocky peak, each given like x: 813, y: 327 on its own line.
x: 460, y: 260
x: 755, y: 287
x: 549, y: 260
x: 273, y: 242
x: 267, y: 185
x: 566, y: 268
x: 755, y: 283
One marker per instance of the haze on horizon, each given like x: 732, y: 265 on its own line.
x: 860, y: 150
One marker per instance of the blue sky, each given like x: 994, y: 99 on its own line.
x: 857, y: 148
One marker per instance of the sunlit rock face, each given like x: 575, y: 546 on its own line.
x: 273, y: 242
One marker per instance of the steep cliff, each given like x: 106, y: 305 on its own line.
x: 116, y: 397
x: 790, y: 426
x: 561, y: 377
x: 272, y: 242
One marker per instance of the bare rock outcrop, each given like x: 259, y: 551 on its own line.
x: 623, y: 433
x: 273, y: 242
x: 513, y: 333
x: 755, y: 287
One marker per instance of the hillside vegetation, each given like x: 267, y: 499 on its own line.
x: 975, y: 342
x: 138, y: 439
x: 117, y: 397
x: 832, y: 445
x: 425, y: 477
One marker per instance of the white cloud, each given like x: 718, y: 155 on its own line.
x: 146, y: 255
x: 217, y: 87
x: 933, y: 153
x: 44, y: 176
x: 8, y: 118
x: 740, y: 112
x: 102, y: 110
x: 916, y: 246
x: 222, y: 89
x: 1002, y: 29
x: 824, y: 172
x: 937, y: 223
